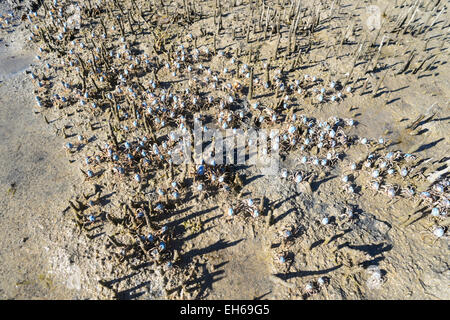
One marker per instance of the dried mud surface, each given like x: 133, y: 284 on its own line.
x: 385, y: 251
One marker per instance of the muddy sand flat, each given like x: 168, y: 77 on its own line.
x: 89, y: 208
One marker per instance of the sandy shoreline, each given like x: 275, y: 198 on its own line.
x: 35, y: 181
x: 44, y: 256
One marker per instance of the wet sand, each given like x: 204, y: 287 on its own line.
x: 43, y: 255
x: 36, y: 180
